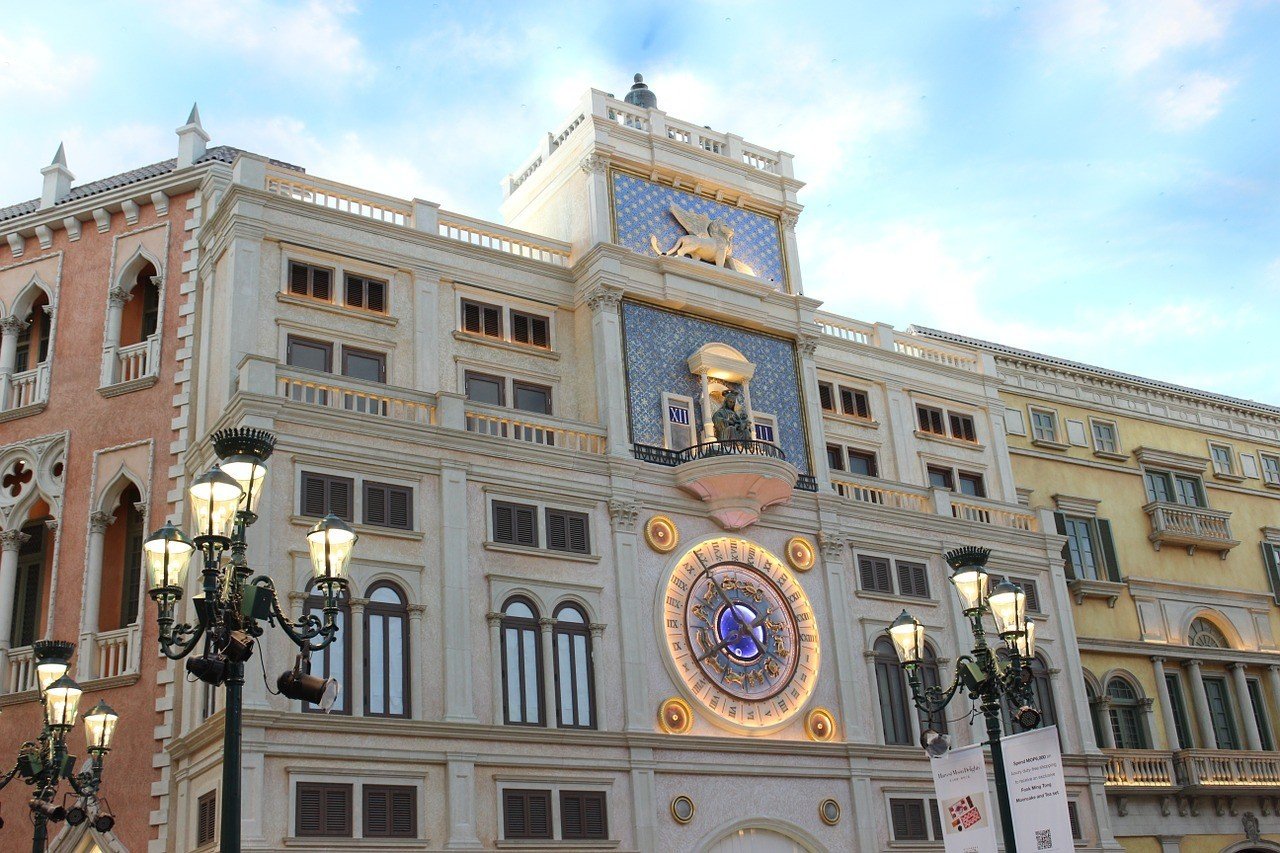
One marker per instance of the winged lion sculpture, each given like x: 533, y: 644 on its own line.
x: 708, y: 239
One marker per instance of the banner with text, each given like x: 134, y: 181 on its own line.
x: 964, y: 801
x: 1037, y: 792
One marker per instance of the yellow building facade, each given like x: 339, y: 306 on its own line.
x: 1168, y: 503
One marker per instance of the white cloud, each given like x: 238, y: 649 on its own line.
x: 1131, y: 35
x: 1193, y: 102
x: 31, y: 69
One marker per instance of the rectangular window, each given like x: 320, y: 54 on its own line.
x: 764, y: 427
x: 207, y: 818
x: 390, y: 811
x: 323, y: 810
x: 526, y: 814
x: 861, y: 462
x: 930, y: 420
x: 483, y: 388
x: 962, y: 427
x: 361, y: 364
x: 907, y: 819
x: 530, y: 329
x: 677, y: 414
x: 1188, y: 490
x: 323, y: 494
x: 1082, y: 551
x: 528, y: 397
x: 1159, y: 486
x: 568, y: 531
x: 313, y: 281
x: 481, y: 319
x: 874, y: 574
x: 1260, y: 714
x: 1044, y: 425
x: 1178, y: 703
x: 1104, y: 437
x: 1220, y: 713
x: 308, y: 354
x: 1073, y: 816
x: 1270, y: 468
x: 1271, y: 560
x: 971, y: 484
x: 826, y: 396
x: 1223, y: 463
x: 367, y: 293
x: 386, y: 505
x: 913, y: 579
x: 515, y: 524
x: 835, y: 457
x: 1031, y: 591
x: 583, y: 815
x: 854, y: 403
x: 941, y: 478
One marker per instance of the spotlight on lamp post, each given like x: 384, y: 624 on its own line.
x: 233, y: 601
x: 45, y: 763
x: 987, y: 680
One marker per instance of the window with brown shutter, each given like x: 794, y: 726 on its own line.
x: 1073, y: 815
x: 386, y: 505
x: 874, y: 574
x: 515, y: 524
x: 826, y: 396
x: 567, y: 531
x: 530, y: 329
x: 390, y: 811
x: 481, y: 319
x: 323, y: 494
x: 367, y: 293
x: 583, y: 815
x: 323, y: 810
x: 308, y: 280
x: 913, y: 579
x: 207, y: 818
x: 962, y: 427
x: 854, y: 403
x: 1032, y: 593
x: 908, y: 820
x: 835, y: 457
x: 526, y: 814
x: 935, y: 818
x: 930, y: 420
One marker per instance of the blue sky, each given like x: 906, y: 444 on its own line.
x: 1096, y: 179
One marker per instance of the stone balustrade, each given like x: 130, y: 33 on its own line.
x: 1190, y: 526
x: 548, y: 432
x: 21, y: 666
x: 885, y: 337
x: 1192, y: 769
x: 1140, y: 768
x: 341, y: 393
x: 115, y: 652
x: 887, y: 493
x: 880, y: 493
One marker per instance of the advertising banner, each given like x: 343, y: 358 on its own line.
x: 1037, y: 792
x: 964, y: 801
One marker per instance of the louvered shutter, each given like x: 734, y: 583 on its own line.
x: 913, y: 579
x: 1060, y: 523
x: 375, y: 504
x: 337, y: 810
x: 908, y: 820
x: 526, y: 526
x: 377, y: 812
x: 355, y: 291
x: 390, y: 811
x: 1073, y: 814
x: 582, y: 815
x: 504, y: 524
x: 313, y: 494
x: 1032, y: 592
x: 557, y: 530
x: 1271, y: 557
x: 526, y: 814
x: 863, y: 407
x: 540, y: 332
x: 875, y: 574
x: 471, y: 317
x: 492, y: 321
x: 206, y: 817
x: 594, y: 815
x: 400, y: 507
x: 1109, y: 549
x: 320, y: 283
x: 578, y: 539
x: 377, y: 296
x: 520, y: 327
x: 571, y: 820
x: 309, y: 809
x: 824, y: 397
x: 339, y: 497
x: 848, y: 404
x: 298, y: 279
x: 539, y: 805
x: 935, y: 818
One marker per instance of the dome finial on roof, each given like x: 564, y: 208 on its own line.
x: 641, y: 95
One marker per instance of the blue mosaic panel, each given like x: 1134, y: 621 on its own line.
x: 642, y: 209
x: 659, y: 344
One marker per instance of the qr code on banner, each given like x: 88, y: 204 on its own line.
x: 1044, y: 839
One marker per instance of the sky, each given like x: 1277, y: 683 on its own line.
x: 1092, y: 179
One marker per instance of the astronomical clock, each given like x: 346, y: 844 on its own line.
x: 740, y: 634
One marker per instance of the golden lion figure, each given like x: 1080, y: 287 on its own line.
x: 707, y: 239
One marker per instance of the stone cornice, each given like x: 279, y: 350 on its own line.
x: 1198, y: 593
x: 1170, y: 459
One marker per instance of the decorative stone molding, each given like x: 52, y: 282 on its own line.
x: 624, y: 515
x: 51, y: 524
x: 597, y: 630
x: 11, y: 325
x: 788, y: 221
x: 594, y: 164
x: 1171, y: 460
x: 831, y: 545
x: 604, y: 298
x: 807, y: 346
x: 1076, y: 505
x: 117, y: 296
x: 416, y: 610
x: 100, y: 521
x: 493, y: 617
x: 12, y: 540
x: 546, y: 623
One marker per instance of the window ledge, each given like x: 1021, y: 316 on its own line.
x: 1270, y: 485
x: 23, y: 411
x: 329, y: 842
x: 901, y: 599
x: 125, y: 387
x: 1229, y: 478
x: 1051, y: 445
x: 526, y: 349
x: 1082, y: 588
x: 340, y: 310
x: 870, y: 423
x: 556, y: 844
x: 122, y: 680
x: 504, y: 548
x: 364, y: 529
x: 946, y: 439
x: 1107, y: 454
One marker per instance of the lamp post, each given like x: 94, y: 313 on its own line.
x: 45, y: 762
x: 233, y: 601
x: 982, y: 675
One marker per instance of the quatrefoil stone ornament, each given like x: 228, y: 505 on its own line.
x: 16, y: 479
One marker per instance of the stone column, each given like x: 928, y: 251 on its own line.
x: 356, y: 641
x: 460, y: 785
x: 1200, y: 700
x: 1102, y: 707
x: 597, y: 707
x: 116, y: 298
x: 455, y: 562
x: 624, y: 515
x: 495, y: 656
x: 10, y: 328
x: 10, y: 542
x: 414, y: 705
x: 546, y: 625
x: 1166, y: 706
x: 98, y: 524
x: 707, y: 428
x: 806, y: 348
x: 851, y: 721
x: 611, y: 380
x: 1148, y: 718
x: 1247, y: 717
x: 1273, y: 687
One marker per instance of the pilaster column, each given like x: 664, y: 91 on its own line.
x: 460, y: 786
x: 1166, y: 706
x: 10, y: 327
x: 98, y: 524
x: 807, y: 348
x: 455, y: 561
x: 624, y: 516
x: 10, y: 542
x: 546, y: 625
x: 494, y: 618
x: 1102, y: 706
x: 1243, y: 702
x: 1148, y: 718
x: 706, y: 427
x: 414, y: 705
x: 1200, y: 700
x: 598, y: 707
x: 355, y: 638
x: 1273, y: 687
x: 611, y: 380
x: 852, y: 722
x: 116, y: 298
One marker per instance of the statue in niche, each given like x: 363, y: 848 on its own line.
x: 730, y: 422
x: 1251, y: 827
x: 709, y: 240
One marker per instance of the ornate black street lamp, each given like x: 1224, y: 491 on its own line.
x: 233, y: 601
x: 989, y: 679
x: 45, y: 762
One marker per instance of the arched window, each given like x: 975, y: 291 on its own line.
x: 575, y: 677
x: 521, y: 664
x: 1126, y: 722
x: 27, y: 598
x: 892, y: 687
x: 33, y: 339
x: 386, y: 636
x: 1041, y: 698
x: 334, y: 661
x: 140, y: 315
x: 1205, y: 634
x: 931, y: 676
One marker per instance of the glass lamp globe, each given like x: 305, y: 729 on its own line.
x: 100, y: 727
x: 1025, y: 645
x: 52, y: 660
x: 1009, y: 608
x: 908, y: 638
x: 168, y: 552
x: 331, y: 542
x: 215, y: 496
x: 250, y: 473
x: 62, y: 703
x: 971, y: 585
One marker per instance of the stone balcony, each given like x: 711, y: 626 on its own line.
x: 1190, y: 527
x: 25, y: 392
x: 737, y: 480
x: 1192, y: 772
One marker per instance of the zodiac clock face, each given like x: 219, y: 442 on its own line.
x: 741, y: 634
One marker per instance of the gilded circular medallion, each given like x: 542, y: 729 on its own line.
x: 800, y: 554
x: 661, y: 534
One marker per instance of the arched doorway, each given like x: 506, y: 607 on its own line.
x: 759, y: 839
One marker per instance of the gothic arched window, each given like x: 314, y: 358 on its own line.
x: 521, y: 664
x: 575, y: 676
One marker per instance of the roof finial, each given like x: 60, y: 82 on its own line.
x: 60, y: 156
x: 641, y: 96
x: 57, y: 179
x: 191, y: 139
x: 194, y: 118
